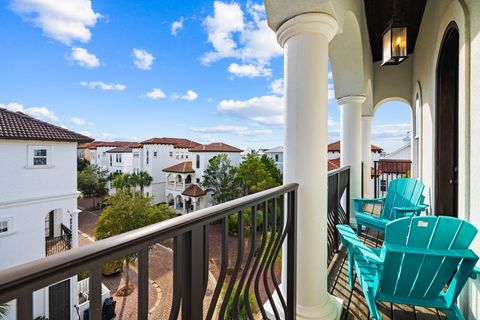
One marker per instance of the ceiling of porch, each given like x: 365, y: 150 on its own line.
x: 380, y: 12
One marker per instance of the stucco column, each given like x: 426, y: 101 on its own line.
x: 74, y: 226
x: 351, y: 143
x: 305, y: 40
x: 367, y: 155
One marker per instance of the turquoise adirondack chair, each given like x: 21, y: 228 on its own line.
x: 424, y: 261
x: 404, y: 198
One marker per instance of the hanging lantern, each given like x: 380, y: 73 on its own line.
x: 394, y: 44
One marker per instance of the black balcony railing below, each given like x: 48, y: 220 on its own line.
x: 246, y: 281
x: 63, y: 242
x: 386, y: 170
x: 338, y: 207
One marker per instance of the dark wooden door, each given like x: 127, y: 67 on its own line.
x: 446, y: 166
x: 49, y: 228
x: 59, y: 301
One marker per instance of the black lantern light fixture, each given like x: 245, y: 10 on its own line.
x: 395, y: 41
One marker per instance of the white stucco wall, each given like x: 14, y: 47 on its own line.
x: 27, y: 195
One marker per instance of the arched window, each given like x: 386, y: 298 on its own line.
x: 198, y: 161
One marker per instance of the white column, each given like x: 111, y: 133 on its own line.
x: 351, y: 143
x: 305, y: 40
x: 184, y: 205
x: 74, y: 216
x: 367, y: 155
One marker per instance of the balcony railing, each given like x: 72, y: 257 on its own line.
x: 254, y: 272
x: 178, y: 186
x: 338, y: 206
x: 63, y: 242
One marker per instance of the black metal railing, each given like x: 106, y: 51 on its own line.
x: 255, y: 271
x: 338, y: 207
x: 63, y: 242
x: 386, y: 170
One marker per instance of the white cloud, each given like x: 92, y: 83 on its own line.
x: 233, y: 34
x: 277, y: 86
x: 266, y: 110
x: 391, y: 131
x: 83, y: 58
x: 80, y: 122
x: 64, y: 21
x: 142, y: 59
x: 36, y: 112
x: 331, y: 92
x: 190, y: 96
x: 103, y: 86
x: 176, y: 26
x: 155, y: 94
x: 249, y: 70
x: 237, y: 130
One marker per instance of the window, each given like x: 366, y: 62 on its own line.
x: 198, y: 180
x: 110, y: 160
x: 136, y: 154
x: 198, y: 161
x: 6, y: 226
x: 148, y: 157
x: 186, y: 156
x: 118, y: 157
x: 177, y: 155
x: 171, y: 154
x: 154, y: 153
x: 276, y: 158
x: 39, y: 157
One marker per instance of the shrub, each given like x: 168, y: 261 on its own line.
x: 247, y: 225
x: 242, y: 309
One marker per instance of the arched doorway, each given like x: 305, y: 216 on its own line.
x: 446, y: 142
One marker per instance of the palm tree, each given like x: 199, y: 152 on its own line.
x: 122, y: 181
x: 144, y: 180
x: 134, y: 182
x: 3, y: 310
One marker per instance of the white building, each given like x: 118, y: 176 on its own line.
x: 184, y: 180
x: 276, y: 154
x: 38, y: 202
x: 402, y: 153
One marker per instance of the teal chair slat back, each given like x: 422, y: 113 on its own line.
x: 412, y: 275
x: 402, y: 192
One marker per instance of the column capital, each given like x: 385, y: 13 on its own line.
x: 351, y: 99
x: 321, y: 23
x: 367, y: 117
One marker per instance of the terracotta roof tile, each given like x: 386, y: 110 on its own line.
x: 182, y: 167
x: 123, y: 149
x: 193, y: 190
x: 113, y: 144
x: 19, y: 126
x: 178, y: 143
x: 215, y: 147
x: 335, y: 147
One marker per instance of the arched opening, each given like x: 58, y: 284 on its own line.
x: 188, y: 179
x: 170, y: 200
x: 178, y: 202
x: 392, y: 132
x: 446, y: 128
x: 58, y: 235
x: 178, y: 178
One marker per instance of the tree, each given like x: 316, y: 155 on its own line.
x: 272, y: 168
x: 144, y: 180
x: 126, y: 212
x: 220, y: 179
x: 255, y: 176
x: 3, y: 310
x: 92, y: 181
x: 122, y: 181
x: 82, y: 164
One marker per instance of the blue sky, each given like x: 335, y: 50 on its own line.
x: 131, y: 70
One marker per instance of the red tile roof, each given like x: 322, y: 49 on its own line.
x: 123, y: 149
x: 113, y: 144
x: 183, y: 167
x: 215, y: 147
x: 19, y: 126
x: 193, y: 190
x: 335, y: 147
x: 333, y: 164
x: 178, y: 143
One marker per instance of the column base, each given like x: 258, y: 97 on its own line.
x: 331, y: 310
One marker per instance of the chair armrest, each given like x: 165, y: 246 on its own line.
x: 360, y: 202
x: 409, y: 211
x: 475, y: 273
x: 350, y: 238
